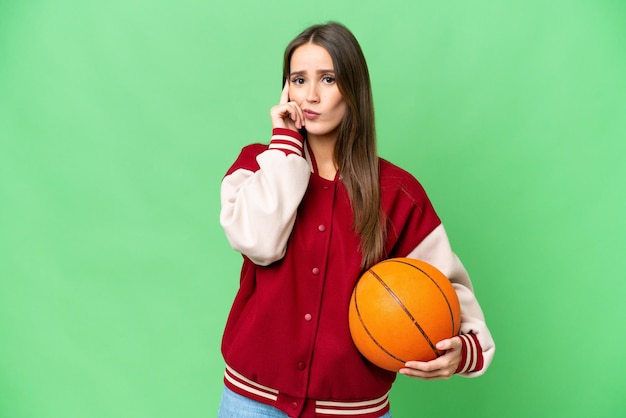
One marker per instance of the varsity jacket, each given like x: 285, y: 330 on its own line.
x: 287, y: 341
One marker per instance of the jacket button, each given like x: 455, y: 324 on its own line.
x: 301, y: 365
x: 315, y: 271
x: 321, y: 228
x: 294, y: 405
x: 307, y: 317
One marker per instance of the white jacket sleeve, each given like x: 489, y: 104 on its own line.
x: 435, y: 249
x: 258, y: 208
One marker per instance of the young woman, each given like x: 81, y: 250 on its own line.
x: 309, y: 213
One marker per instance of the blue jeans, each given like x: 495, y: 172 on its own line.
x: 234, y: 405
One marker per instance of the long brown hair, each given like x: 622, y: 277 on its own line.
x: 355, y: 151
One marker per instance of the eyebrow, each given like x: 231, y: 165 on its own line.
x: 303, y: 72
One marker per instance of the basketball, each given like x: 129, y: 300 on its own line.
x: 399, y: 310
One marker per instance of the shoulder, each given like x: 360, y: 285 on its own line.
x: 410, y: 214
x: 389, y: 169
x: 247, y: 158
x: 397, y: 179
x: 254, y: 149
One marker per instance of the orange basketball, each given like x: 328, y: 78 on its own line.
x: 399, y: 309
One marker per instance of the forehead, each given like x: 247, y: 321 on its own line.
x: 311, y: 57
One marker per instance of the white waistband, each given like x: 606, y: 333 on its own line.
x: 339, y: 408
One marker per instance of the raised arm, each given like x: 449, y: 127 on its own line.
x: 261, y: 192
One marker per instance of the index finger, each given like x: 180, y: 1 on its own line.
x: 284, y: 96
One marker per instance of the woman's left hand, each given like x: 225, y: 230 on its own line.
x: 442, y: 367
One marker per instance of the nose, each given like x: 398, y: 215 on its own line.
x: 312, y: 94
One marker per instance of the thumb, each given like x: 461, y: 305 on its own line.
x: 445, y: 345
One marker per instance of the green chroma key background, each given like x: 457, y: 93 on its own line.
x: 118, y: 120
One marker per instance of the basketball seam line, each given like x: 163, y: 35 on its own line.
x: 436, y: 284
x: 406, y: 311
x: 369, y: 334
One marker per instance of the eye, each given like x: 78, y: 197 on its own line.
x: 297, y: 80
x: 328, y: 79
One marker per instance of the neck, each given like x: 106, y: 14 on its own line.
x: 323, y: 149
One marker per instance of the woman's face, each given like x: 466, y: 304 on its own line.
x: 313, y: 87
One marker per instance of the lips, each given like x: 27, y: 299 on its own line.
x: 310, y: 115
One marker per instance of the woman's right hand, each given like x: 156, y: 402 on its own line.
x: 287, y: 114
